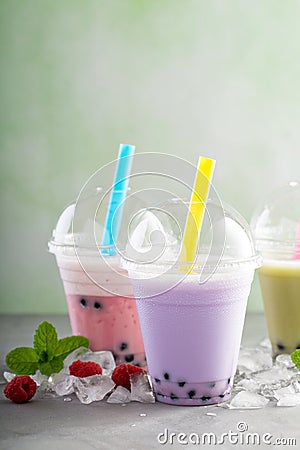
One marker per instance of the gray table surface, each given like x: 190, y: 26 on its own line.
x: 54, y: 424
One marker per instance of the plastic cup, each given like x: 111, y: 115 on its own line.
x: 192, y: 315
x: 275, y: 226
x: 99, y: 295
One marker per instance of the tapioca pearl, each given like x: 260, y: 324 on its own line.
x: 205, y: 398
x: 83, y: 303
x: 166, y: 376
x: 280, y: 346
x: 173, y: 396
x: 212, y: 385
x: 181, y: 383
x: 157, y: 380
x: 123, y: 346
x: 98, y: 305
x: 129, y: 358
x: 222, y: 395
x: 191, y: 393
x: 228, y: 381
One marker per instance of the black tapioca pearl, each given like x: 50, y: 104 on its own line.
x: 123, y: 346
x: 280, y: 346
x: 129, y: 358
x: 205, y: 398
x: 98, y: 305
x: 83, y: 302
x: 166, y: 376
x: 181, y: 383
x: 228, y: 381
x: 212, y: 385
x: 157, y: 380
x: 159, y: 394
x: 222, y: 395
x: 173, y: 396
x: 191, y: 393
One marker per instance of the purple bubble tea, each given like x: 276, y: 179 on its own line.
x: 192, y: 314
x: 192, y: 335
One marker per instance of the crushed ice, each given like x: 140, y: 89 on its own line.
x: 259, y: 381
x: 93, y: 388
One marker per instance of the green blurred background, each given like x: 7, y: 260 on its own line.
x: 186, y: 77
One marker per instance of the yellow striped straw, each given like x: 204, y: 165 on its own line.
x: 204, y: 175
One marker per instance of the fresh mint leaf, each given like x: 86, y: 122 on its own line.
x: 48, y: 354
x: 50, y: 367
x: 22, y: 361
x: 295, y: 356
x: 67, y: 345
x: 45, y: 341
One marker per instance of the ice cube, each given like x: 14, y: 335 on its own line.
x: 284, y: 360
x: 248, y: 385
x: 76, y: 354
x: 141, y: 390
x: 290, y: 389
x: 9, y: 376
x: 267, y: 391
x: 266, y: 344
x: 104, y: 358
x: 40, y: 379
x: 274, y: 378
x: 94, y: 388
x: 65, y: 386
x: 254, y: 360
x: 248, y: 400
x: 119, y: 395
x: 289, y: 400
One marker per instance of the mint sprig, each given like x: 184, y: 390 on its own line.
x: 48, y: 353
x: 295, y: 357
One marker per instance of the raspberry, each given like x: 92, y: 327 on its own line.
x: 85, y: 369
x: 21, y: 389
x: 122, y: 374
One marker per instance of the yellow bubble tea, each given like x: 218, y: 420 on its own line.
x: 280, y: 285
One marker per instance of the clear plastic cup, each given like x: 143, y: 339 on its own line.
x: 276, y: 228
x: 99, y: 295
x: 191, y: 314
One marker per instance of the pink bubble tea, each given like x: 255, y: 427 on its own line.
x: 99, y: 295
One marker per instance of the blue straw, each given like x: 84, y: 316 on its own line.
x: 116, y: 203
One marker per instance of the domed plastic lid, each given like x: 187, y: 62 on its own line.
x: 80, y: 227
x: 155, y: 244
x: 276, y: 224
